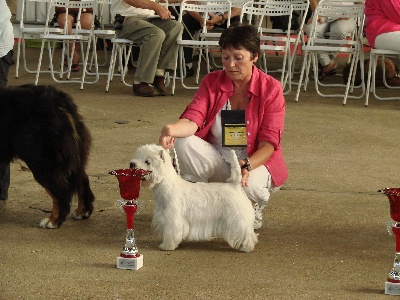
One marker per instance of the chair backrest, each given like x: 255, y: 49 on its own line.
x: 238, y: 3
x: 31, y: 6
x: 205, y: 7
x: 103, y: 12
x: 260, y: 10
x: 79, y: 5
x: 300, y: 8
x: 330, y: 10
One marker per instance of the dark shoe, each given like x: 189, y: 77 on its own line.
x: 159, y: 85
x: 143, y: 89
x: 328, y: 70
x: 75, y: 68
x: 322, y: 74
x: 189, y: 72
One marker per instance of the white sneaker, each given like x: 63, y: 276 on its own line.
x: 258, y: 216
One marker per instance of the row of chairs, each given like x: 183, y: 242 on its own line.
x: 285, y: 42
x: 352, y: 47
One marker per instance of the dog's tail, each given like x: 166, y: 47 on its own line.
x: 236, y: 172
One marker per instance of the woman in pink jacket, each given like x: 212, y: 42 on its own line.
x: 382, y: 25
x: 239, y: 108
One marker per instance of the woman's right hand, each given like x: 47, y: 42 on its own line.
x: 166, y: 140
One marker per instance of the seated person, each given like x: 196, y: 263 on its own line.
x: 338, y: 29
x: 382, y: 24
x: 194, y: 22
x: 86, y: 22
x: 149, y: 24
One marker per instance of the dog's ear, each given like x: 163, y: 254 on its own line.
x: 162, y: 155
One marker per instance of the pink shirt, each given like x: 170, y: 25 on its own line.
x: 264, y: 115
x: 382, y: 16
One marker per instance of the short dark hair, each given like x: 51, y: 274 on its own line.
x: 241, y: 36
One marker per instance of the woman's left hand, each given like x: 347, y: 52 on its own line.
x: 245, y: 177
x: 245, y: 173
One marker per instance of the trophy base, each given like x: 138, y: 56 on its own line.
x: 130, y: 263
x: 392, y: 288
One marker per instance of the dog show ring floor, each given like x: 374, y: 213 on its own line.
x: 324, y: 234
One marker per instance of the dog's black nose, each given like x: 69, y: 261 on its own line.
x: 132, y: 165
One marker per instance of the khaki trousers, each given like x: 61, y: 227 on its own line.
x: 158, y: 44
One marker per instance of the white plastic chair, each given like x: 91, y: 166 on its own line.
x: 275, y: 43
x: 203, y: 7
x: 335, y: 9
x: 82, y: 36
x: 296, y: 39
x: 30, y: 32
x: 215, y: 34
x: 103, y: 33
x: 371, y: 86
x: 121, y: 51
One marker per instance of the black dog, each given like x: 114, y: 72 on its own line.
x: 41, y: 126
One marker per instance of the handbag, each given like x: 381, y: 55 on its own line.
x: 392, y: 73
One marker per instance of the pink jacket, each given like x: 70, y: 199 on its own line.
x: 264, y: 114
x: 382, y: 16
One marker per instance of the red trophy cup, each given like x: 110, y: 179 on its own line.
x: 129, y: 187
x: 392, y: 284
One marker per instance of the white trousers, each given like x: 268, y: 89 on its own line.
x: 338, y: 30
x: 199, y: 161
x: 388, y: 41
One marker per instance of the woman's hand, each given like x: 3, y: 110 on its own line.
x: 166, y: 140
x: 245, y: 174
x: 180, y: 129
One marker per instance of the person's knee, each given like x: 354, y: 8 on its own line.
x: 86, y: 23
x: 257, y: 194
x: 158, y: 34
x: 183, y: 144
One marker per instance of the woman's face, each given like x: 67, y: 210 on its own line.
x: 238, y: 63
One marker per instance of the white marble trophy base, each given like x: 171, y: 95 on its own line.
x: 392, y: 288
x: 130, y: 263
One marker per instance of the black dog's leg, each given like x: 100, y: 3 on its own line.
x: 85, y: 198
x: 61, y: 208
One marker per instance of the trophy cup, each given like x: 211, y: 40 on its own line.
x: 129, y: 187
x: 392, y: 284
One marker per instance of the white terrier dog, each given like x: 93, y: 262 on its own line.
x: 196, y: 211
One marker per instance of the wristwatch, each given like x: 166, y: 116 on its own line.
x: 247, y: 164
x: 223, y: 18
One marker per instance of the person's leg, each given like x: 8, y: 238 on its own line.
x: 259, y: 189
x: 169, y: 49
x: 388, y: 41
x: 199, y: 161
x: 192, y: 25
x: 86, y: 23
x: 339, y: 30
x: 5, y: 63
x: 321, y: 29
x: 4, y: 180
x: 61, y: 20
x: 151, y: 38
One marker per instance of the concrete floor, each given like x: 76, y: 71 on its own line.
x: 324, y: 234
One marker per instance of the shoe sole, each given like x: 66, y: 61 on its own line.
x: 144, y: 95
x: 161, y: 92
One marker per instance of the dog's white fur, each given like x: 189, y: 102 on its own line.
x: 196, y: 211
